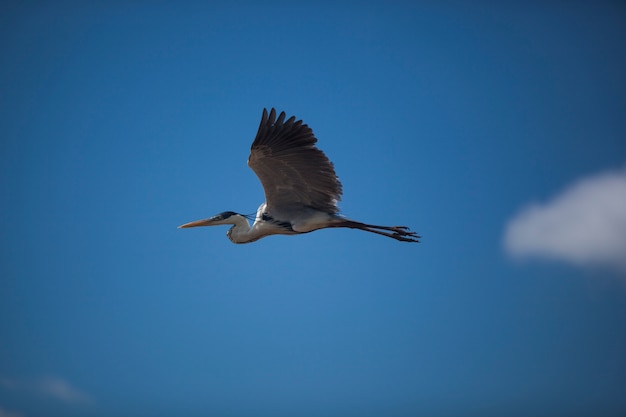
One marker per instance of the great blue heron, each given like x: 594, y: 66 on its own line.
x: 301, y: 187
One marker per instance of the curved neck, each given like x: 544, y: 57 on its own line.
x: 240, y: 232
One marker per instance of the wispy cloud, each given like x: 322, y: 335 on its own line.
x: 61, y: 390
x: 7, y: 413
x: 584, y: 224
x: 49, y: 386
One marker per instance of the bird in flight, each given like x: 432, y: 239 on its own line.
x: 300, y: 184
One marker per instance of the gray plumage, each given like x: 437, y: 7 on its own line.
x: 294, y: 173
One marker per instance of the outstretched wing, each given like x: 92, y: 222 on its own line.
x: 294, y: 173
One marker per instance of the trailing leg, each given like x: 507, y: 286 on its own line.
x: 401, y: 233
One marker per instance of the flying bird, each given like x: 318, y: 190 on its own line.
x: 300, y: 184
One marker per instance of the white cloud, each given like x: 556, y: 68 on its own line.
x: 584, y: 224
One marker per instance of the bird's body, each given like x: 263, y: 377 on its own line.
x: 301, y: 187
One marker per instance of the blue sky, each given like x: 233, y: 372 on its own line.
x: 495, y: 131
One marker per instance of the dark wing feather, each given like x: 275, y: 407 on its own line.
x: 294, y: 173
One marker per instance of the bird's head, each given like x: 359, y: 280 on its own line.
x: 226, y: 217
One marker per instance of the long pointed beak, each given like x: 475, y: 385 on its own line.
x: 203, y: 222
